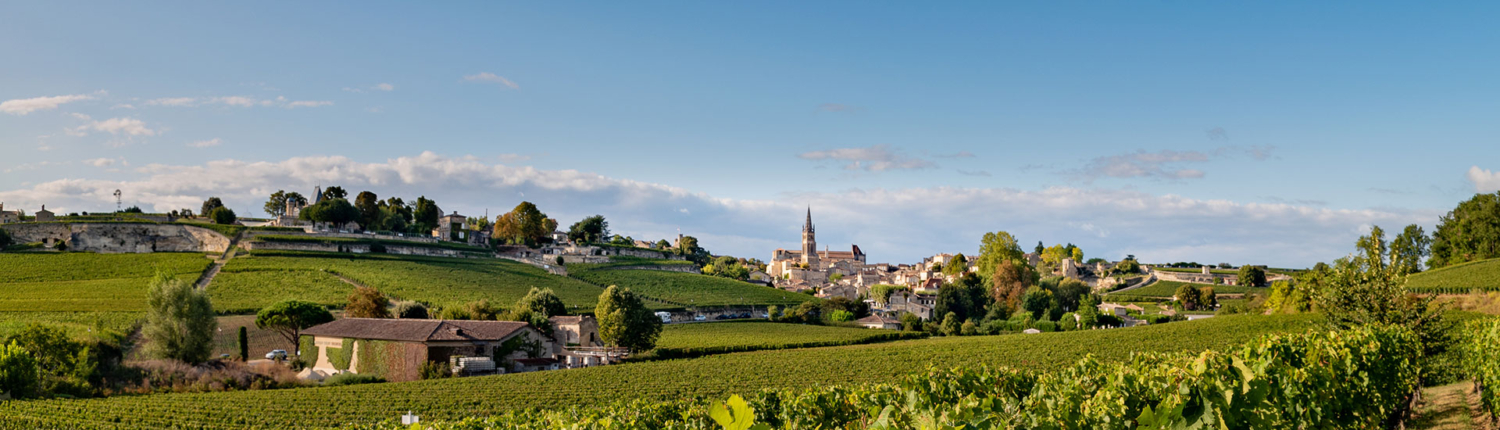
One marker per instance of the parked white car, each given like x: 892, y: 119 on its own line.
x: 700, y: 317
x: 276, y: 354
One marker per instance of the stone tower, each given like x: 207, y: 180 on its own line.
x: 809, y: 242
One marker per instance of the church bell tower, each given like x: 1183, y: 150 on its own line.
x: 809, y: 242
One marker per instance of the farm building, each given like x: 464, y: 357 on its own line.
x: 396, y: 349
x: 877, y: 321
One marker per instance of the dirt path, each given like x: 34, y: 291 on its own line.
x: 1449, y: 407
x: 213, y: 269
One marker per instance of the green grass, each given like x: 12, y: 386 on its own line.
x: 685, y: 340
x: 87, y: 282
x: 686, y: 289
x: 367, y: 241
x: 250, y: 282
x: 1458, y: 279
x: 713, y: 376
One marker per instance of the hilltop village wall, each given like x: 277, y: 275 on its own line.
x: 119, y: 238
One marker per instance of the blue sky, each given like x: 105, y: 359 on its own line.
x: 1267, y: 133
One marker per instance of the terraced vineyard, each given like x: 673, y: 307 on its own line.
x: 683, y: 340
x: 75, y: 323
x: 1166, y: 289
x: 1481, y: 275
x: 714, y: 376
x: 250, y: 282
x: 686, y: 289
x: 87, y: 282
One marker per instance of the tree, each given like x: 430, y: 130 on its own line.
x: 369, y: 208
x: 425, y: 214
x: 997, y: 247
x: 244, y: 340
x: 1039, y: 247
x: 289, y: 317
x: 590, y: 230
x: 334, y: 192
x: 881, y: 293
x: 411, y: 310
x: 523, y: 225
x: 1009, y: 283
x: 626, y: 322
x: 1054, y: 255
x: 1036, y: 300
x: 1088, y: 312
x: 956, y: 266
x: 65, y: 365
x: 1469, y: 232
x: 689, y: 248
x: 1252, y: 276
x: 951, y: 325
x: 5, y: 239
x: 1409, y: 249
x: 180, y: 320
x: 20, y: 377
x: 276, y: 205
x: 1189, y: 296
x: 398, y: 206
x: 543, y: 302
x: 210, y: 204
x: 336, y: 212
x: 841, y: 316
x: 1068, y: 292
x: 663, y: 244
x: 1207, y: 298
x: 366, y: 302
x: 222, y: 216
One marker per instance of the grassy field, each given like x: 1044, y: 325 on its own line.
x: 250, y: 282
x: 87, y: 282
x: 1166, y: 289
x: 1458, y: 279
x: 686, y: 289
x: 76, y: 324
x: 681, y: 340
x: 713, y: 376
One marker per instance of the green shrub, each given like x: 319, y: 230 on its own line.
x: 19, y: 375
x: 435, y: 370
x: 222, y: 216
x: 408, y: 309
x: 350, y: 378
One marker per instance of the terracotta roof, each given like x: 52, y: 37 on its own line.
x: 413, y: 330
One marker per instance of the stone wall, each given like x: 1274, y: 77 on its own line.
x: 357, y: 248
x: 683, y: 268
x: 115, y: 238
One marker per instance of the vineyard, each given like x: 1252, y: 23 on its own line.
x: 707, y: 377
x: 686, y: 289
x: 75, y: 323
x: 250, y: 282
x: 691, y: 340
x: 86, y: 282
x: 1359, y: 379
x: 1482, y: 360
x: 368, y: 241
x: 1458, y: 279
x: 1166, y: 289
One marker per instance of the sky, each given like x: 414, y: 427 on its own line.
x: 1254, y: 133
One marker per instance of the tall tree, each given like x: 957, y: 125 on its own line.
x: 589, y: 230
x: 276, y: 205
x: 1252, y: 276
x: 210, y: 204
x: 1189, y: 296
x: 369, y: 208
x: 1409, y: 249
x: 1039, y: 247
x: 542, y: 301
x: 425, y: 214
x: 336, y: 211
x: 1036, y: 300
x: 395, y: 204
x: 1009, y: 283
x: 180, y: 320
x: 523, y: 225
x: 366, y: 302
x: 222, y: 215
x: 1469, y: 232
x: 1372, y: 249
x: 289, y: 317
x: 956, y: 266
x: 626, y: 322
x: 997, y: 247
x: 334, y: 192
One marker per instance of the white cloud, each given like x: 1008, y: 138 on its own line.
x: 105, y: 162
x: 385, y: 87
x: 172, y: 101
x: 876, y: 158
x: 80, y: 116
x: 204, y: 143
x: 240, y: 101
x: 26, y: 106
x: 1485, y: 181
x: 892, y: 225
x: 1164, y: 164
x: 117, y: 126
x: 492, y: 78
x: 307, y: 103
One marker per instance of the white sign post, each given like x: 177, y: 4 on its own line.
x: 410, y: 419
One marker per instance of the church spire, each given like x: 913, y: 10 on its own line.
x: 808, y: 227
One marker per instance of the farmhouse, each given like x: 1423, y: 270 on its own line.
x: 396, y: 349
x: 877, y: 321
x: 9, y: 216
x: 44, y: 215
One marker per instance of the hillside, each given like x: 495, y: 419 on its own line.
x: 86, y: 282
x: 264, y: 277
x: 714, y: 376
x: 685, y: 340
x: 684, y: 289
x: 1458, y: 279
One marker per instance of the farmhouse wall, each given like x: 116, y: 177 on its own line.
x: 116, y: 238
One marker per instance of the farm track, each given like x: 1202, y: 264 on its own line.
x: 213, y: 269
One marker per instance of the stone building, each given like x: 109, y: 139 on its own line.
x: 810, y: 265
x: 399, y: 347
x: 8, y: 216
x: 44, y: 215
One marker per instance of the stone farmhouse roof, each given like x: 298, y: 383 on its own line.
x: 412, y: 330
x: 876, y: 319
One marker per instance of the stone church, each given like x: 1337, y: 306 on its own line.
x: 811, y: 266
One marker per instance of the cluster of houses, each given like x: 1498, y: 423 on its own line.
x: 466, y: 347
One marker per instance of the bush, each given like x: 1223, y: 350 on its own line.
x: 411, y: 310
x: 377, y: 248
x: 435, y: 370
x: 5, y: 239
x: 968, y: 328
x: 349, y: 378
x: 1046, y: 326
x: 19, y: 375
x: 841, y: 316
x: 222, y: 215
